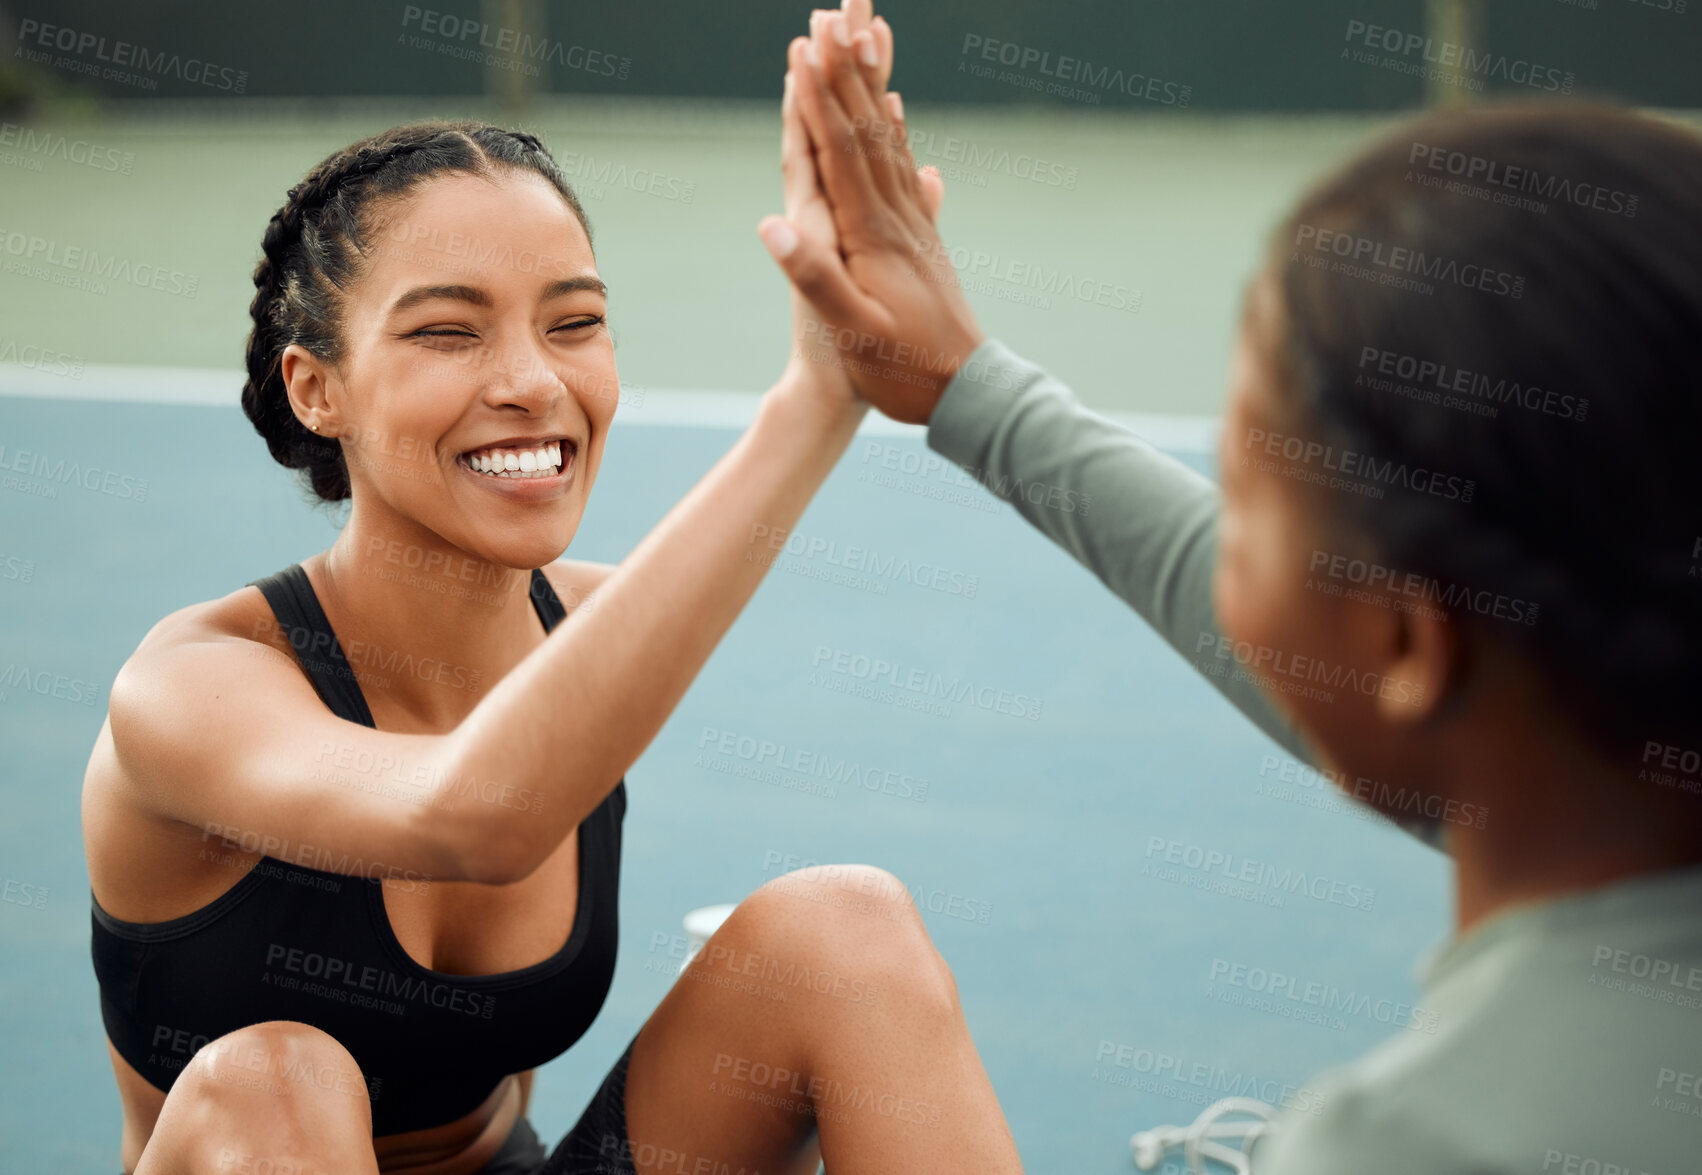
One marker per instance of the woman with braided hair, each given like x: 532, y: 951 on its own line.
x: 339, y: 919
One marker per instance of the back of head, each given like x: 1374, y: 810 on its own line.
x: 1513, y: 297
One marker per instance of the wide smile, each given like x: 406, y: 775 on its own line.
x: 539, y: 464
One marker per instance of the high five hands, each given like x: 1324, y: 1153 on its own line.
x: 858, y: 240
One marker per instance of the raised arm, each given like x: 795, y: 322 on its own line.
x: 213, y: 729
x: 1141, y: 521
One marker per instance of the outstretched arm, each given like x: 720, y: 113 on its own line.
x: 1141, y: 521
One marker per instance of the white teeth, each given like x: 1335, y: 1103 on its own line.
x: 542, y: 461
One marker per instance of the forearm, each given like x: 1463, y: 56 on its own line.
x: 1140, y: 520
x: 571, y: 718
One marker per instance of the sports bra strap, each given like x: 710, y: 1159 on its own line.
x: 304, y: 624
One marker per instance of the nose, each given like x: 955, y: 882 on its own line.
x: 521, y: 377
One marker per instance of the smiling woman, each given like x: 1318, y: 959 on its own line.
x: 339, y: 917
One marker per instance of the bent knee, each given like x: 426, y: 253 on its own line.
x: 276, y: 1058
x: 857, y: 917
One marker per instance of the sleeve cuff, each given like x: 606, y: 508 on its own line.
x: 977, y: 400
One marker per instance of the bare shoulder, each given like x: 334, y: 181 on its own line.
x: 575, y: 579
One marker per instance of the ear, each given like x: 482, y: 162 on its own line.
x: 1425, y: 668
x: 308, y: 384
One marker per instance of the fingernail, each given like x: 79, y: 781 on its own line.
x: 778, y: 237
x: 812, y: 54
x: 841, y: 29
x: 866, y: 50
x: 897, y: 103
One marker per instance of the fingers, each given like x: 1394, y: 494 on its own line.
x: 933, y: 191
x: 797, y: 163
x: 843, y: 170
x: 819, y: 274
x: 878, y: 137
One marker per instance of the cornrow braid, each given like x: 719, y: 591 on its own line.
x: 312, y: 252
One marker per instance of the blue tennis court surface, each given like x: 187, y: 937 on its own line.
x: 1062, y: 823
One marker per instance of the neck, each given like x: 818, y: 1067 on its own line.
x: 427, y: 627
x: 1563, y: 820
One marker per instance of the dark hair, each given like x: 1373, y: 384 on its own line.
x: 1562, y: 250
x: 312, y: 253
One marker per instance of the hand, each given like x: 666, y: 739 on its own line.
x: 813, y: 364
x: 888, y: 297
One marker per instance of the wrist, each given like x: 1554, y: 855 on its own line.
x: 813, y: 398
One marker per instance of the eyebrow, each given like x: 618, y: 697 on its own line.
x: 477, y: 297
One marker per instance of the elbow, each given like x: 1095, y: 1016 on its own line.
x: 481, y: 841
x: 492, y: 847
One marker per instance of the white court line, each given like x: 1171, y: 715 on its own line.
x: 677, y: 407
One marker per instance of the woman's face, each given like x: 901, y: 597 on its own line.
x: 1349, y: 668
x: 476, y: 330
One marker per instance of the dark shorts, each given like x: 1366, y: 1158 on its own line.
x: 597, y: 1144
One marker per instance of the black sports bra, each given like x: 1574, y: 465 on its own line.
x: 289, y: 942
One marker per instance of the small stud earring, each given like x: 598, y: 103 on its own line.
x: 314, y: 427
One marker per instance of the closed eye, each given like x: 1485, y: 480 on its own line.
x: 582, y: 323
